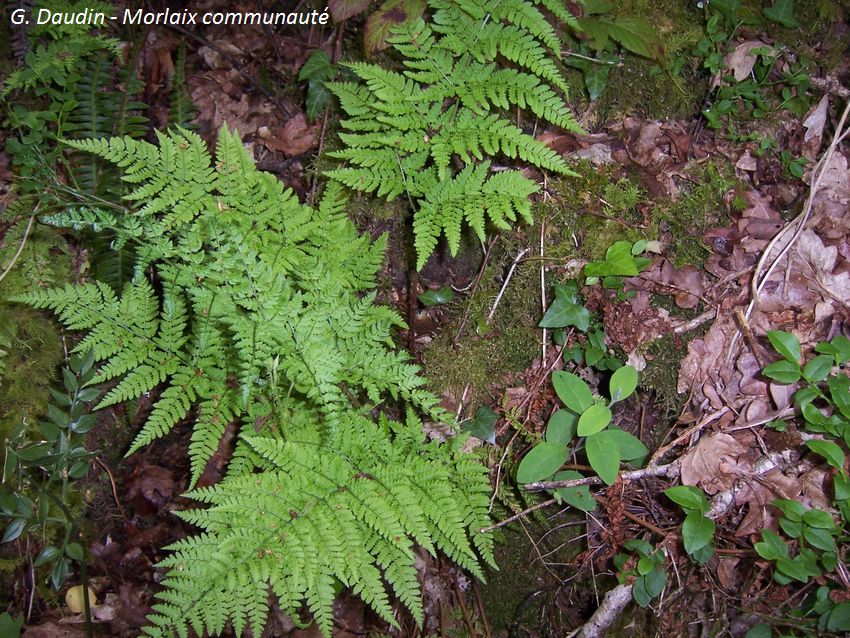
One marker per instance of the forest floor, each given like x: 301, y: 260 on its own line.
x: 747, y: 230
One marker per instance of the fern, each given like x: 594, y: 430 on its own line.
x: 431, y: 130
x: 262, y: 311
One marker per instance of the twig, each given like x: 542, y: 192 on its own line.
x: 671, y: 470
x: 693, y: 324
x: 518, y: 515
x: 465, y: 318
x: 20, y: 248
x: 466, y: 619
x: 505, y: 285
x: 112, y: 483
x: 543, y: 284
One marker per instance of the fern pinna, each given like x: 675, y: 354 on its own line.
x: 262, y: 310
x: 431, y: 131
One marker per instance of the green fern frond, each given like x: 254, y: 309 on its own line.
x: 345, y: 508
x: 420, y: 133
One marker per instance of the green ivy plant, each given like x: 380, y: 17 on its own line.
x: 317, y: 71
x: 588, y: 417
x: 697, y: 530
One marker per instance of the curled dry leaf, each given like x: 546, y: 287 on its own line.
x: 741, y: 61
x: 712, y: 463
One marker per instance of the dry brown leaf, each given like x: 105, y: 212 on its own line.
x: 813, y: 123
x: 712, y: 464
x: 741, y: 61
x: 293, y: 138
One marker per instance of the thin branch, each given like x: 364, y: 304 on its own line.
x: 671, y: 470
x: 505, y: 285
x: 20, y: 248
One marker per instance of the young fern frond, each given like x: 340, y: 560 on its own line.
x: 424, y: 131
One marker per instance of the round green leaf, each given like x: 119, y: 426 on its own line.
x: 543, y: 461
x: 561, y: 427
x: 839, y: 618
x: 595, y: 419
x: 603, y: 456
x: 691, y: 499
x: 574, y: 392
x: 623, y: 383
x: 74, y: 551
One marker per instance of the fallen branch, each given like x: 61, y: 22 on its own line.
x: 612, y: 606
x: 670, y: 470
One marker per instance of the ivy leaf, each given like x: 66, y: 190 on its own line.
x: 623, y: 383
x: 561, y: 313
x: 603, y: 456
x: 782, y: 12
x: 697, y: 532
x: 827, y: 449
x: 541, y: 462
x: 619, y: 261
x: 580, y: 496
x: 317, y: 67
x: 318, y: 97
x: 483, y: 425
x: 596, y: 79
x: 561, y: 427
x: 431, y: 298
x: 574, y: 392
x: 391, y: 14
x: 785, y: 344
x: 595, y: 419
x: 638, y: 36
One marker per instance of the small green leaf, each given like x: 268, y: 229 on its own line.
x: 783, y: 371
x: 638, y: 36
x: 317, y: 67
x: 14, y: 530
x: 580, y: 496
x: 782, y: 12
x: 318, y: 97
x: 839, y: 618
x: 697, y: 532
x: 59, y: 573
x: 574, y: 392
x: 483, y: 425
x: 595, y: 419
x: 46, y: 555
x: 759, y: 631
x: 561, y: 427
x: 596, y: 79
x: 436, y: 297
x: 631, y: 448
x: 818, y: 368
x: 541, y: 462
x: 839, y: 392
x: 640, y: 593
x: 619, y: 261
x: 623, y: 383
x: 603, y: 457
x: 656, y: 580
x: 562, y: 313
x: 70, y: 380
x: 74, y: 551
x: 771, y: 547
x: 792, y: 510
x: 785, y: 344
x: 691, y: 499
x: 827, y: 449
x: 819, y: 518
x: 839, y: 348
x: 819, y: 538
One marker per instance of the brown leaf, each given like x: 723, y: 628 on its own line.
x: 712, y: 464
x: 293, y: 138
x: 813, y: 123
x: 741, y: 61
x: 344, y: 9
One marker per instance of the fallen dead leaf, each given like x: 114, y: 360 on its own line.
x: 741, y: 61
x: 712, y: 463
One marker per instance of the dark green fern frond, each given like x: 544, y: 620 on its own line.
x: 182, y: 111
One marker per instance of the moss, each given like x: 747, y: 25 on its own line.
x: 30, y: 344
x: 488, y: 353
x: 686, y: 218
